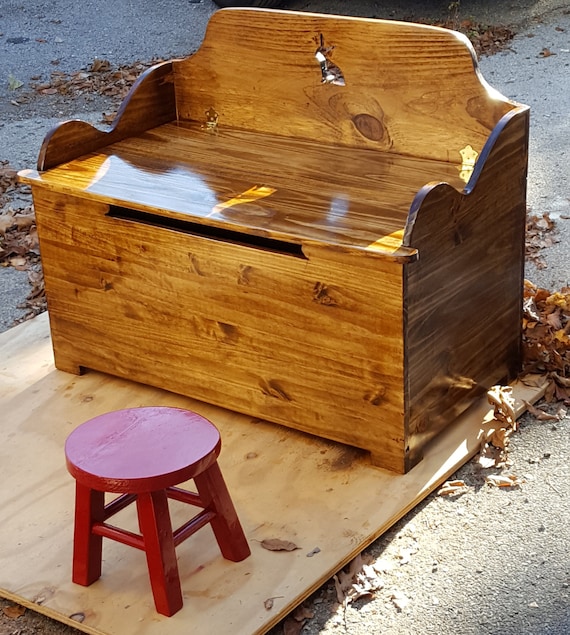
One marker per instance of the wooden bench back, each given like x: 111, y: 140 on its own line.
x: 408, y: 88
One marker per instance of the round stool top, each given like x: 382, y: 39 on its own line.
x: 141, y: 449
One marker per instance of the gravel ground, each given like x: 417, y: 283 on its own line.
x: 489, y: 561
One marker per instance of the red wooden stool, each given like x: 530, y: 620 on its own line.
x: 143, y: 453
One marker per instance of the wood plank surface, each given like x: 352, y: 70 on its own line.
x: 314, y: 342
x: 408, y: 88
x: 287, y: 189
x: 257, y: 235
x: 285, y: 485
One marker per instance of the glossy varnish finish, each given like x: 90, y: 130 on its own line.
x: 354, y: 202
x: 319, y: 255
x: 144, y: 454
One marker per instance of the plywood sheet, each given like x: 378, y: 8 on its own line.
x: 285, y: 485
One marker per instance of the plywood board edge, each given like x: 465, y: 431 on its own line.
x: 51, y: 613
x: 525, y: 393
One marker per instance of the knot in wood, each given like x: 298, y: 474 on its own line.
x: 321, y: 295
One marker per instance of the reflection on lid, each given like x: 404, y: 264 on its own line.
x: 253, y: 194
x: 391, y: 242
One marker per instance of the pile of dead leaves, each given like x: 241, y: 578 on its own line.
x: 539, y: 235
x: 8, y: 182
x: 546, y: 338
x: 495, y: 435
x: 486, y: 39
x: 546, y: 357
x: 101, y: 78
x: 19, y: 245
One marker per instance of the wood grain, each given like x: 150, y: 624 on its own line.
x: 322, y: 255
x: 410, y: 89
x: 464, y: 294
x: 313, y: 200
x: 313, y: 343
x: 284, y: 484
x: 149, y: 103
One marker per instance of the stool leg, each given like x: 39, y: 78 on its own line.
x: 227, y: 528
x: 87, y: 547
x: 156, y: 528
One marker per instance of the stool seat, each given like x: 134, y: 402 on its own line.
x: 141, y: 449
x: 143, y: 454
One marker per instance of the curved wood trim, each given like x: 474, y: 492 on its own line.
x: 489, y: 155
x: 149, y: 103
x: 388, y: 102
x: 463, y: 297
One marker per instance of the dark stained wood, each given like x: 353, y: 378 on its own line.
x: 342, y: 259
x: 463, y: 295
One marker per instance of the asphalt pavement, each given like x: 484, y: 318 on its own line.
x: 40, y: 36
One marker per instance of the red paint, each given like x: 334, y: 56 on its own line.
x: 143, y: 453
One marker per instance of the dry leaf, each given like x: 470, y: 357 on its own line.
x: 498, y: 480
x: 452, y: 487
x: 399, y: 600
x: 275, y: 544
x: 343, y: 583
x: 502, y: 400
x: 563, y: 381
x: 554, y: 320
x: 19, y: 263
x: 99, y: 66
x: 546, y: 52
x: 292, y: 627
x: 491, y: 456
x: 6, y: 223
x: 77, y: 617
x: 14, y: 611
x: 495, y: 435
x: 540, y: 414
x: 108, y: 118
x: 359, y: 581
x: 23, y: 222
x: 535, y: 381
x: 500, y: 438
x: 13, y: 83
x: 539, y: 234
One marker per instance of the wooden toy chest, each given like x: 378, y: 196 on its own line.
x: 315, y: 220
